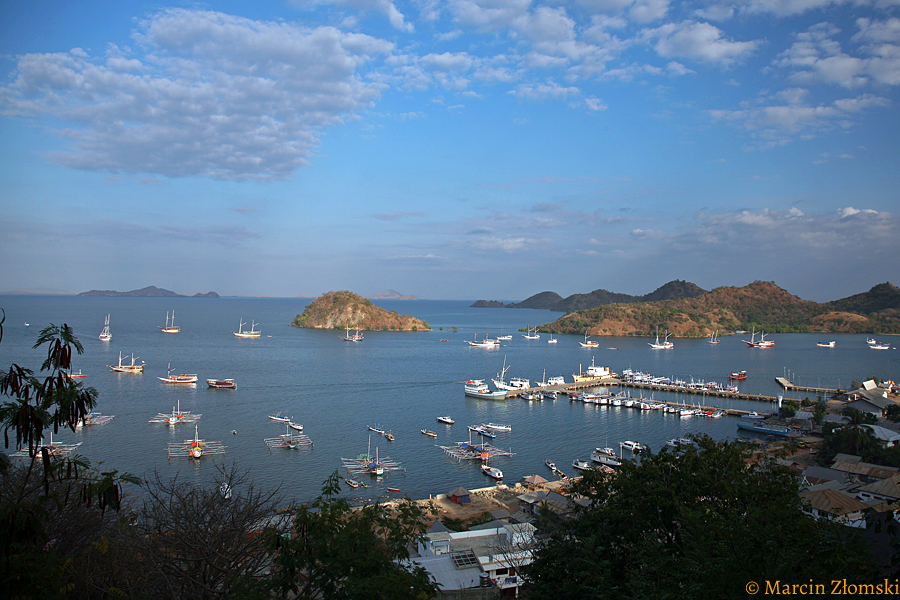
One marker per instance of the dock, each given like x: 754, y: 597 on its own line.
x: 788, y: 385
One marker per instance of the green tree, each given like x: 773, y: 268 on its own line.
x: 893, y: 413
x: 341, y: 552
x: 701, y: 524
x: 53, y: 505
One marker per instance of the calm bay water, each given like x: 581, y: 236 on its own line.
x: 400, y: 381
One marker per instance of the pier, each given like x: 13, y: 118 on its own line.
x: 787, y: 385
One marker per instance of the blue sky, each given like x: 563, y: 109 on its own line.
x: 460, y: 149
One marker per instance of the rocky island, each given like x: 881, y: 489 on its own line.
x: 337, y: 310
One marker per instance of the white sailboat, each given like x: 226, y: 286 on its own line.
x: 587, y: 343
x: 664, y: 345
x: 532, y: 334
x: 714, y: 339
x: 170, y: 328
x: 105, y: 335
x: 253, y: 333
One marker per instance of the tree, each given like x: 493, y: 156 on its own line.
x: 53, y: 506
x: 341, y: 552
x: 203, y: 542
x: 698, y: 524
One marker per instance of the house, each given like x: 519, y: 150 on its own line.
x: 870, y: 398
x: 460, y: 495
x: 886, y: 490
x: 885, y: 436
x: 834, y: 505
x: 489, y: 555
x: 866, y: 472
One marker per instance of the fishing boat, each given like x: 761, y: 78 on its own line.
x: 393, y: 489
x: 550, y: 464
x: 125, y: 368
x: 506, y: 337
x: 376, y: 467
x: 295, y: 426
x: 74, y: 375
x: 588, y: 343
x: 738, y: 375
x: 195, y: 448
x: 105, y: 335
x: 592, y: 372
x: 481, y: 430
x: 280, y: 418
x: 352, y: 483
x: 446, y: 420
x: 664, y: 345
x: 634, y: 447
x: 253, y: 333
x: 170, y: 327
x: 826, y: 344
x: 871, y: 341
x: 532, y: 334
x: 753, y: 415
x: 429, y: 433
x: 183, y: 378
x: 605, y: 459
x: 477, y: 388
x: 356, y: 337
x: 581, y: 465
x: 492, y: 472
x: 714, y: 339
x: 877, y: 346
x: 177, y: 417
x: 376, y: 429
x: 222, y: 384
x: 389, y: 437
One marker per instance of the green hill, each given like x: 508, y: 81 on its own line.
x: 337, y: 310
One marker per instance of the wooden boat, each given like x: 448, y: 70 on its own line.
x: 253, y: 333
x: 73, y: 375
x: 550, y: 464
x: 352, y: 483
x: 105, y: 335
x: 295, y: 426
x: 393, y: 489
x: 826, y: 344
x: 389, y: 437
x: 132, y: 368
x: 170, y: 328
x: 357, y: 337
x: 376, y: 429
x: 492, y: 472
x: 429, y: 433
x: 738, y: 375
x: 222, y: 384
x: 714, y: 339
x: 183, y: 378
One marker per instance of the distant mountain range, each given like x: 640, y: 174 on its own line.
x: 760, y: 305
x: 147, y: 292
x: 391, y: 295
x: 552, y: 301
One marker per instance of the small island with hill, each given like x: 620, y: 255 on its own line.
x: 148, y: 292
x: 337, y: 310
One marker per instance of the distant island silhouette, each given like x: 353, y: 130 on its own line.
x: 147, y: 292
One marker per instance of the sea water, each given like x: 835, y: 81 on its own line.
x: 400, y: 381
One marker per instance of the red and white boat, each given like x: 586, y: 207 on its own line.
x: 762, y: 343
x: 738, y: 375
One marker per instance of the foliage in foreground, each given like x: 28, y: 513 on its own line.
x: 701, y: 524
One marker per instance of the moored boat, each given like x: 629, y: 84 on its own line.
x: 170, y: 327
x: 356, y: 337
x: 429, y: 433
x: 738, y: 375
x: 581, y: 465
x: 446, y: 420
x: 183, y: 378
x: 766, y: 428
x: 477, y: 388
x: 128, y: 368
x: 105, y: 335
x: 826, y: 344
x: 550, y: 464
x: 281, y: 418
x: 497, y: 427
x: 222, y: 384
x: 588, y: 343
x: 492, y: 472
x: 253, y: 333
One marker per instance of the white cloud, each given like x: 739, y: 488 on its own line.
x: 487, y: 15
x: 700, y: 41
x: 542, y: 91
x: 213, y: 95
x: 385, y: 7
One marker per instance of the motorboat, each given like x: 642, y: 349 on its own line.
x: 492, y: 472
x: 753, y: 415
x: 295, y: 426
x: 605, y: 459
x: 105, y: 335
x: 826, y: 344
x: 556, y: 381
x: 170, y: 327
x: 446, y: 420
x: 482, y: 430
x: 877, y: 346
x: 634, y: 447
x: 281, y: 418
x: 550, y: 464
x: 497, y: 427
x: 222, y: 384
x: 183, y: 378
x: 484, y: 343
x: 738, y: 375
x: 376, y: 429
x: 766, y: 428
x: 429, y: 433
x: 253, y: 333
x: 581, y: 465
x: 352, y: 483
x: 74, y: 375
x: 124, y: 368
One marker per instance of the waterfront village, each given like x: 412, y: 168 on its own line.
x: 494, y: 529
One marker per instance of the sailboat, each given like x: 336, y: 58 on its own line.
x: 105, y: 335
x: 253, y: 333
x: 506, y: 337
x: 170, y: 328
x: 714, y: 339
x: 356, y: 337
x: 588, y: 343
x: 532, y: 334
x: 132, y: 368
x: 664, y: 345
x: 552, y: 340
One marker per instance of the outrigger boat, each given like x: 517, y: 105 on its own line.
x: 288, y: 440
x: 177, y: 416
x: 195, y: 448
x: 54, y: 448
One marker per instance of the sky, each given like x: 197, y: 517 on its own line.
x: 449, y: 149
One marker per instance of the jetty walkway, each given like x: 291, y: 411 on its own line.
x: 614, y: 381
x: 787, y: 385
